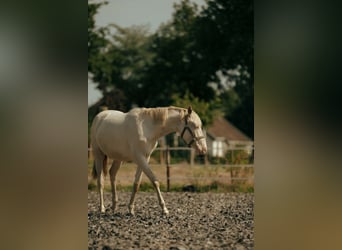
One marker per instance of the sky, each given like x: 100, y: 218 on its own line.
x: 126, y: 13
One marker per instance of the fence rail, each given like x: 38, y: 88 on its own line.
x: 165, y: 158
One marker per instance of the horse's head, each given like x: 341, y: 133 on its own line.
x: 192, y: 133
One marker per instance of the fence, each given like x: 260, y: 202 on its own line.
x: 233, y: 173
x: 235, y: 168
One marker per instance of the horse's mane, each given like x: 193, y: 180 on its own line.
x: 161, y: 114
x: 157, y: 114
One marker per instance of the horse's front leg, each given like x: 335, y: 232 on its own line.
x: 142, y: 163
x: 136, y: 185
x: 113, y: 172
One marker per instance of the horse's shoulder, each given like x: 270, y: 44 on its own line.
x: 134, y: 120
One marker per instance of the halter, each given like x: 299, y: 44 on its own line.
x: 194, y: 138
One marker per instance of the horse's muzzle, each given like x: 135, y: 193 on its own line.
x: 202, y: 151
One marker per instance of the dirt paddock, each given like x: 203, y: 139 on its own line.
x: 196, y: 221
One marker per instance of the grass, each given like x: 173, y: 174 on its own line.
x: 196, y: 178
x: 213, y: 187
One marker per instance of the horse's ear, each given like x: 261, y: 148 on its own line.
x: 189, y: 110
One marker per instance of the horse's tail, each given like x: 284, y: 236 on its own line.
x: 105, y: 165
x: 94, y: 173
x: 105, y: 168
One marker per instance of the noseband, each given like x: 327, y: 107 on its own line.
x: 194, y: 138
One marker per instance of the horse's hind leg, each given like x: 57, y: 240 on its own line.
x: 113, y: 171
x: 136, y: 185
x: 99, y: 164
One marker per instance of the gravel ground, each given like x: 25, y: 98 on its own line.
x: 196, y: 221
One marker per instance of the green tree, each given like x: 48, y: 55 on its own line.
x: 203, y: 57
x: 207, y: 111
x: 116, y: 61
x: 96, y: 37
x: 224, y: 37
x: 176, y: 68
x: 130, y: 58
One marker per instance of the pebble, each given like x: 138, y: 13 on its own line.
x: 196, y: 221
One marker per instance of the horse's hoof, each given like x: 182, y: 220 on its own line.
x: 165, y: 212
x: 102, y: 210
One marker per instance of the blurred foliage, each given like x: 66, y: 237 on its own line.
x: 202, y: 57
x: 206, y: 110
x: 96, y: 38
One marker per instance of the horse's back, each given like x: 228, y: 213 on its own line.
x: 105, y: 119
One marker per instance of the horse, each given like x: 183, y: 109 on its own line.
x: 133, y: 136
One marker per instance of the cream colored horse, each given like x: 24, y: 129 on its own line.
x: 133, y: 136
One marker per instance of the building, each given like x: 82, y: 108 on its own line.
x: 222, y: 135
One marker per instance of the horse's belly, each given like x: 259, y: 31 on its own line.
x: 115, y: 149
x: 127, y: 153
x: 117, y: 155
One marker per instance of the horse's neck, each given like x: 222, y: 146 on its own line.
x: 171, y: 124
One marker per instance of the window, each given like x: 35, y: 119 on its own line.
x: 217, y: 148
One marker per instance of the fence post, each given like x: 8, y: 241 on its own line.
x: 251, y: 158
x: 161, y: 156
x: 232, y: 154
x: 192, y: 156
x: 167, y: 169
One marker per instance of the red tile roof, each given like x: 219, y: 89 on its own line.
x: 222, y: 128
